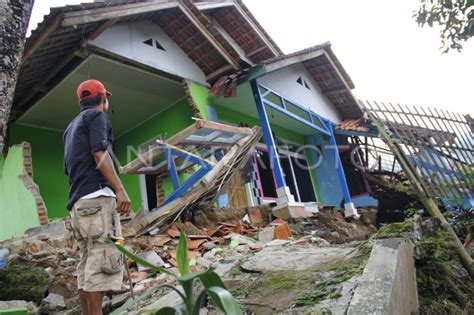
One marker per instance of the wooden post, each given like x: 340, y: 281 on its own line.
x: 427, y: 201
x: 14, y: 17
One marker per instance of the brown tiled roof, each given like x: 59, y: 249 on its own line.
x: 244, y: 35
x: 53, y: 58
x: 360, y: 124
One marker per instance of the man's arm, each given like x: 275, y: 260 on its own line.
x: 106, y: 167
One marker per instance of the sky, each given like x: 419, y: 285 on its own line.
x: 378, y: 42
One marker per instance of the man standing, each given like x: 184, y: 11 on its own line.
x: 96, y: 195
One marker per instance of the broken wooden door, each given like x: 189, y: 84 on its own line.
x: 236, y: 191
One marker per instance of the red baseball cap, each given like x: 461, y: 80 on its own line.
x: 90, y: 89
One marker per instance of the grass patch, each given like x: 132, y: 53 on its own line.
x: 393, y: 230
x: 272, y: 283
x: 236, y: 271
x: 444, y: 287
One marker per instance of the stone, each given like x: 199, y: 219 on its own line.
x: 266, y: 234
x: 223, y: 266
x: 68, y: 262
x: 242, y: 240
x: 151, y: 257
x: 204, y: 262
x: 242, y: 248
x: 149, y: 282
x: 276, y: 243
x: 119, y: 300
x: 320, y: 241
x: 282, y: 258
x: 56, y: 228
x: 208, y: 245
x: 53, y: 303
x: 138, y: 289
x: 301, y: 242
x: 30, y: 306
x: 138, y: 276
x: 170, y: 299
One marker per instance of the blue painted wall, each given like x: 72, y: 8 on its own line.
x: 328, y: 182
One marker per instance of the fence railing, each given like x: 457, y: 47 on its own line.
x: 438, y: 144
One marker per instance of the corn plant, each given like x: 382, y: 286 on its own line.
x: 213, y: 286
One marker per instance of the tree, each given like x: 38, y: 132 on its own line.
x: 14, y: 17
x: 455, y: 17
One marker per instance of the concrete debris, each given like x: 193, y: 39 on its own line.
x: 151, y: 257
x: 285, y: 256
x: 56, y: 228
x: 262, y: 245
x: 53, y: 303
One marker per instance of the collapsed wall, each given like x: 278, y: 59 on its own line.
x: 22, y: 206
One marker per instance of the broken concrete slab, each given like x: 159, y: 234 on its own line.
x: 277, y: 243
x: 56, y: 228
x: 279, y: 258
x: 53, y: 303
x: 287, y: 211
x: 151, y: 257
x: 224, y: 266
x: 266, y: 235
x: 388, y: 283
x: 170, y: 299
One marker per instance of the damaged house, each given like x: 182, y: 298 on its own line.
x: 167, y: 62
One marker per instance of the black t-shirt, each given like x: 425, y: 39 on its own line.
x: 89, y: 132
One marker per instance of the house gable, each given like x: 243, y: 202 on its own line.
x: 297, y: 84
x: 147, y: 43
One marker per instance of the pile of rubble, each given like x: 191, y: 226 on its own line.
x: 215, y: 238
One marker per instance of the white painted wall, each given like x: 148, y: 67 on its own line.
x: 127, y: 40
x: 283, y: 82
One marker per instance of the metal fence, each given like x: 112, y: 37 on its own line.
x: 438, y: 144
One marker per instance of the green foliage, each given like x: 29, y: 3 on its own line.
x: 411, y: 210
x: 455, y: 17
x: 396, y: 229
x: 213, y: 286
x: 19, y: 281
x: 444, y: 287
x: 272, y: 283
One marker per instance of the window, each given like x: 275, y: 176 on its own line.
x: 303, y: 82
x: 150, y: 42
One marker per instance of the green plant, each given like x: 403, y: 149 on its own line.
x: 411, y: 210
x: 213, y: 286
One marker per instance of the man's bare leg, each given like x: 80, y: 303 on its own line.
x: 84, y: 304
x: 94, y: 300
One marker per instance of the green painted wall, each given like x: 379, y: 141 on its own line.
x: 47, y: 153
x: 165, y: 124
x: 17, y: 205
x: 201, y: 97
